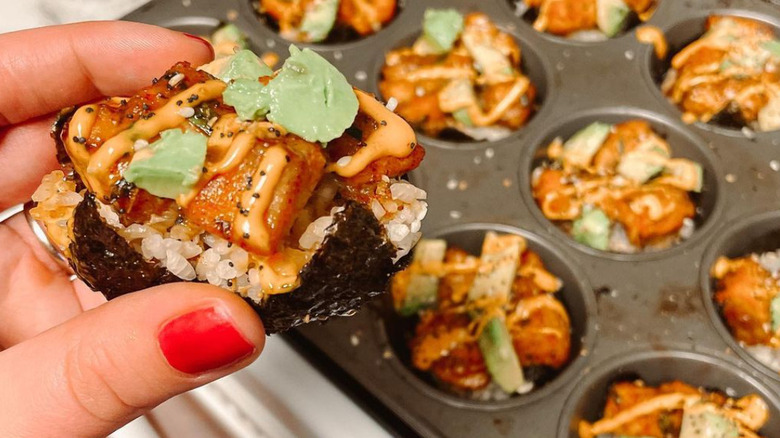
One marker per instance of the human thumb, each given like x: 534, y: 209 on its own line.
x: 96, y: 372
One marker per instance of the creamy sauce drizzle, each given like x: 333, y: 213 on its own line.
x: 250, y: 223
x: 102, y: 161
x: 394, y: 138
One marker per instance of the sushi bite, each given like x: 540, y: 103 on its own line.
x: 488, y: 326
x: 588, y: 20
x: 748, y: 293
x: 284, y: 187
x: 729, y: 76
x: 314, y: 21
x: 462, y: 76
x: 617, y: 188
x: 675, y: 410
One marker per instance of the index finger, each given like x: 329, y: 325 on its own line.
x: 46, y: 69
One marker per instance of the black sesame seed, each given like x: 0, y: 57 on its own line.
x: 179, y: 102
x: 287, y: 158
x: 238, y: 205
x: 230, y: 282
x: 246, y: 235
x: 412, y: 145
x: 262, y: 173
x: 204, y: 170
x: 230, y: 244
x: 78, y: 139
x: 154, y: 81
x: 383, y: 123
x: 123, y: 102
x: 145, y: 107
x: 90, y: 110
x: 129, y: 116
x: 221, y: 135
x: 255, y: 195
x: 230, y: 134
x: 231, y: 264
x: 192, y: 98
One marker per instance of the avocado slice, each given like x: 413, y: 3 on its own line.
x: 592, y: 228
x: 705, y: 422
x: 582, y: 146
x: 644, y: 162
x: 500, y: 357
x: 441, y: 28
x: 774, y: 308
x: 683, y: 174
x: 611, y: 16
x: 319, y: 19
x: 423, y: 288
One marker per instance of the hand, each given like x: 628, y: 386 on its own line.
x: 73, y: 365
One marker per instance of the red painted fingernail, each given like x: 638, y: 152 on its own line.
x: 202, y: 41
x: 203, y: 340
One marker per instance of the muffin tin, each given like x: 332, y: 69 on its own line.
x: 649, y: 315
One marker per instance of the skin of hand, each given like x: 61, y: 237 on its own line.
x: 70, y: 363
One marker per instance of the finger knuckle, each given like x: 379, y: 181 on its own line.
x: 90, y: 374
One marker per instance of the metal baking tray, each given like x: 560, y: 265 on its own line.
x: 648, y: 315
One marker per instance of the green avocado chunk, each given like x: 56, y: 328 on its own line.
x: 171, y: 165
x: 229, y: 33
x: 319, y: 19
x: 441, y: 27
x: 423, y: 288
x: 582, y: 146
x: 311, y: 98
x: 249, y: 97
x: 707, y: 423
x: 244, y: 64
x: 611, y: 16
x: 592, y: 228
x: 774, y: 308
x: 500, y: 357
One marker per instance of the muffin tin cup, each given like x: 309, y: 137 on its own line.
x: 642, y: 303
x: 682, y: 144
x: 576, y: 295
x: 754, y: 234
x: 533, y: 65
x: 656, y: 367
x: 678, y: 35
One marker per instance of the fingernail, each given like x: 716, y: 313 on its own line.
x: 202, y: 41
x: 203, y: 340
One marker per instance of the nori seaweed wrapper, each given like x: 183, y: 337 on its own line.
x: 353, y: 265
x: 105, y: 261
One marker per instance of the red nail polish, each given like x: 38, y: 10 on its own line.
x: 202, y: 41
x: 203, y: 340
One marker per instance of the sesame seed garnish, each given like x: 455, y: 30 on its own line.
x: 262, y: 173
x: 383, y: 123
x: 192, y: 98
x: 246, y: 235
x: 179, y: 102
x: 178, y: 77
x: 78, y: 139
x: 205, y: 170
x: 123, y: 102
x: 230, y: 134
x: 90, y: 110
x: 212, y: 121
x: 129, y: 116
x: 344, y: 161
x: 287, y: 158
x: 186, y: 112
x: 255, y: 195
x: 148, y: 116
x: 140, y: 144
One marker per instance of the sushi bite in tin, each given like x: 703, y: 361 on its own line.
x: 283, y: 187
x: 617, y: 188
x: 487, y: 326
x: 676, y: 409
x: 314, y: 21
x: 462, y: 78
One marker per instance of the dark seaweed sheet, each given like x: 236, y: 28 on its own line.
x: 105, y: 260
x: 354, y: 264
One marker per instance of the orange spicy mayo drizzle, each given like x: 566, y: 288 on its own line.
x: 394, y: 138
x: 166, y: 117
x: 250, y: 222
